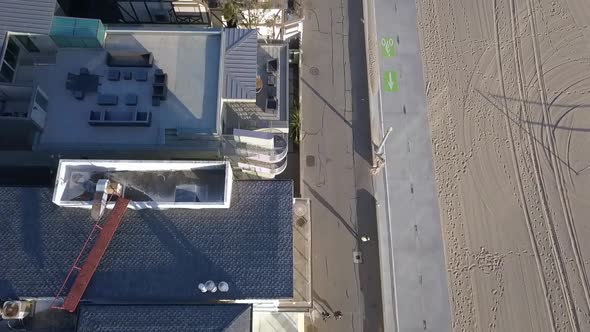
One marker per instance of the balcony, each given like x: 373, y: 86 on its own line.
x: 263, y: 170
x: 265, y: 155
x: 260, y: 153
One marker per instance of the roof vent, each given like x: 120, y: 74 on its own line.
x: 210, y: 286
x: 300, y: 209
x: 16, y: 309
x: 223, y: 286
x: 202, y: 288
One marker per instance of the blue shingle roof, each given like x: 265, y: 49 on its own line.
x: 162, y: 318
x: 155, y: 256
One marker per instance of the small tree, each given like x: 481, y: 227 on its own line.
x: 255, y: 13
x: 295, y: 123
x: 233, y: 12
x: 272, y: 22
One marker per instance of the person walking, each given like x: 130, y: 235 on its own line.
x: 337, y: 314
x: 326, y: 315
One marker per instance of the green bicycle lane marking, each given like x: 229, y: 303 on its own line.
x: 387, y: 47
x: 390, y: 81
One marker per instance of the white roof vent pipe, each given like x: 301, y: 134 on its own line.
x: 223, y: 286
x: 210, y: 285
x: 202, y: 288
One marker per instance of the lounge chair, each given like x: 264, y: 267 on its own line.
x: 106, y: 99
x: 271, y: 80
x: 272, y: 65
x: 141, y: 76
x: 271, y: 104
x: 131, y: 99
x: 271, y: 91
x: 114, y: 75
x: 130, y: 59
x: 160, y: 78
x: 156, y: 101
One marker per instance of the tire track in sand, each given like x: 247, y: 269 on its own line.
x: 517, y: 63
x: 557, y: 173
x: 556, y: 257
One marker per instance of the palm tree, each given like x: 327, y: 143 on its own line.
x: 295, y: 124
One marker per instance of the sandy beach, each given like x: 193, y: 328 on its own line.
x: 508, y: 87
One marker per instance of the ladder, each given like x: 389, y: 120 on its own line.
x: 86, y: 271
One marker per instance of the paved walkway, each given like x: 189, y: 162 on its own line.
x: 415, y: 294
x: 336, y: 157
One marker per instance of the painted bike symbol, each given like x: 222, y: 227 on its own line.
x: 387, y: 46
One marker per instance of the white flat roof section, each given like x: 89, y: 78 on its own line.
x: 148, y: 184
x: 190, y: 61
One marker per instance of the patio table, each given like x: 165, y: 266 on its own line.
x: 86, y: 83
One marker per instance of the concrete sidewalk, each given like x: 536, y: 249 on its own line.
x: 335, y: 162
x: 413, y: 273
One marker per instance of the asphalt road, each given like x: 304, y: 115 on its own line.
x: 336, y: 155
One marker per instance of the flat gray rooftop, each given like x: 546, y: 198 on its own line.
x: 191, y: 61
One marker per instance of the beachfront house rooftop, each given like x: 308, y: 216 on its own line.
x: 156, y: 261
x: 79, y: 88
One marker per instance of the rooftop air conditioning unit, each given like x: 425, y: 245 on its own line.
x: 16, y: 309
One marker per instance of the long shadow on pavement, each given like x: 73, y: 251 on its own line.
x: 369, y: 271
x: 325, y: 101
x: 330, y: 208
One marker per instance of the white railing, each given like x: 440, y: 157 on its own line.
x: 278, y: 153
x: 262, y: 170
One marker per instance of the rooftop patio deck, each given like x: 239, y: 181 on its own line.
x: 190, y: 60
x: 252, y: 115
